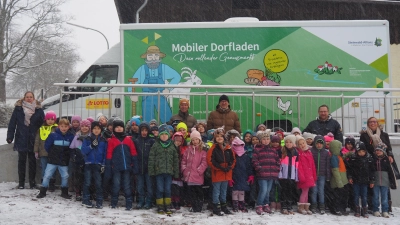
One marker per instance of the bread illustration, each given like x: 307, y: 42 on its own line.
x: 254, y: 73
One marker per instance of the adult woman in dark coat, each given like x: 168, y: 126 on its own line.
x: 25, y: 121
x: 371, y: 137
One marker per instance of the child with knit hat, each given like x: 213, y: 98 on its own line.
x: 349, y: 147
x: 307, y: 174
x: 164, y: 165
x: 193, y: 166
x: 231, y: 134
x: 201, y: 128
x: 296, y: 131
x: 177, y: 189
x: 182, y: 127
x: 154, y: 131
x: 242, y: 176
x: 261, y: 127
x: 288, y: 174
x: 75, y: 123
x: 281, y: 135
x: 264, y: 137
x: 77, y: 158
x: 309, y: 137
x: 221, y: 159
x: 328, y: 139
x: 134, y: 127
x: 266, y: 163
x: 49, y: 126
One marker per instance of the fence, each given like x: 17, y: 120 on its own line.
x: 276, y: 106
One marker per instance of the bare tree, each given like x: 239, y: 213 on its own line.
x: 62, y: 58
x: 22, y: 23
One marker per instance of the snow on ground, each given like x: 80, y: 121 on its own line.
x: 22, y: 207
x: 3, y: 136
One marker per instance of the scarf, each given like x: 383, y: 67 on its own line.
x: 29, y: 110
x: 376, y: 138
x: 166, y: 143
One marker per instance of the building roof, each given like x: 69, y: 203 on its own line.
x: 220, y: 10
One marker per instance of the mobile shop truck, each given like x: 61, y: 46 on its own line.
x: 331, y: 54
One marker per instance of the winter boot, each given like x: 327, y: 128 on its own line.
x: 224, y: 208
x: 64, y: 193
x: 313, y: 208
x: 87, y: 203
x: 140, y: 203
x: 385, y: 215
x: 21, y: 185
x: 266, y: 208
x: 217, y: 209
x: 364, y: 212
x: 235, y: 205
x: 32, y: 185
x: 128, y: 203
x: 357, y: 211
x: 322, y: 209
x: 160, y: 205
x: 259, y: 210
x: 52, y: 185
x: 278, y: 206
x: 300, y: 208
x: 273, y: 207
x: 242, y: 207
x: 99, y: 204
x: 42, y: 192
x: 168, y: 206
x: 307, y: 208
x: 148, y: 203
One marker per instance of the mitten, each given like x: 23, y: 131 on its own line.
x: 80, y: 138
x: 231, y: 183
x: 250, y: 180
x: 94, y: 143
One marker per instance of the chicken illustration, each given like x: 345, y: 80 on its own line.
x: 284, y: 106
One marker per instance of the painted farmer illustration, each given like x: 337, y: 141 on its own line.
x: 155, y: 72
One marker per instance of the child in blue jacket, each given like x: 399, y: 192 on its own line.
x: 94, y: 151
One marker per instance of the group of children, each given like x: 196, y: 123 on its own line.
x: 171, y: 166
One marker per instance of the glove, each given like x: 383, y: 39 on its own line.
x: 9, y: 141
x: 37, y: 155
x: 94, y: 143
x: 250, y: 180
x: 80, y: 138
x: 102, y: 169
x: 226, y: 169
x: 231, y: 183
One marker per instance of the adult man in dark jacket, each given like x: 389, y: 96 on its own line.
x: 183, y: 114
x: 325, y: 124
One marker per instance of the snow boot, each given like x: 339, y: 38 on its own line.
x: 278, y: 206
x: 99, y: 203
x: 242, y: 207
x: 217, y: 209
x: 64, y: 193
x: 273, y: 207
x: 300, y: 208
x: 357, y: 212
x: 128, y: 203
x: 235, y: 205
x: 259, y: 210
x: 148, y: 203
x: 42, y: 192
x: 307, y: 208
x: 322, y: 209
x: 140, y: 203
x: 168, y: 206
x: 266, y: 208
x: 160, y: 205
x: 87, y: 203
x: 224, y: 208
x: 52, y: 185
x: 385, y: 215
x: 313, y: 208
x: 364, y: 212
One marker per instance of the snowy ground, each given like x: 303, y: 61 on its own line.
x: 22, y: 207
x: 3, y: 136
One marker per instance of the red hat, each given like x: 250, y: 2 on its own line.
x: 50, y: 115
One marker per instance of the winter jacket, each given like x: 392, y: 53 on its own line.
x: 219, y: 159
x: 361, y: 169
x: 306, y: 169
x: 41, y: 137
x: 133, y: 135
x: 143, y: 146
x: 241, y: 173
x: 76, y: 153
x: 188, y: 119
x: 289, y: 165
x: 339, y: 177
x: 94, y: 155
x: 248, y: 146
x: 163, y: 160
x: 57, y: 147
x: 266, y: 162
x: 24, y: 135
x: 384, y: 175
x: 193, y: 165
x: 321, y: 159
x: 220, y: 117
x: 121, y: 155
x: 364, y: 137
x: 320, y: 127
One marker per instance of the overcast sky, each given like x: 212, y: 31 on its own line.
x: 97, y: 14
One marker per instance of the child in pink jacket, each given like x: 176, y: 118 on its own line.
x: 193, y: 166
x: 307, y: 174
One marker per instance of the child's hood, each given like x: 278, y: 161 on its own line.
x: 335, y: 147
x: 238, y: 146
x: 321, y: 138
x: 248, y: 132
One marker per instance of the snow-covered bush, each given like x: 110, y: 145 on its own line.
x: 5, y: 114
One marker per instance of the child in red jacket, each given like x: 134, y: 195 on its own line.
x: 307, y: 174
